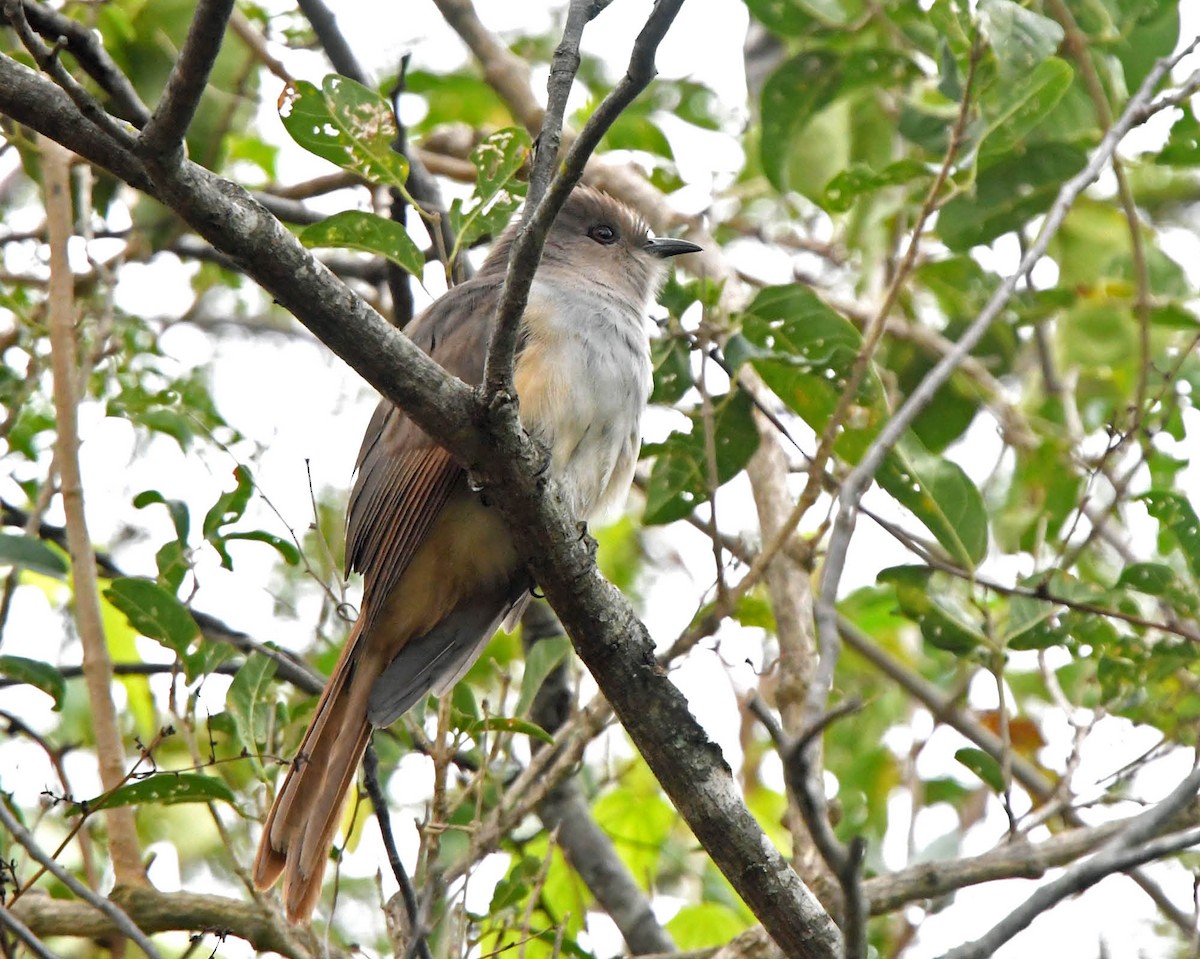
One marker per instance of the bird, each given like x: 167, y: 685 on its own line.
x: 440, y: 569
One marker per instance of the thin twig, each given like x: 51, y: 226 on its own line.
x: 85, y: 46
x: 1132, y: 846
x: 535, y: 224
x: 47, y: 58
x: 382, y: 816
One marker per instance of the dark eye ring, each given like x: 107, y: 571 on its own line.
x: 603, y: 233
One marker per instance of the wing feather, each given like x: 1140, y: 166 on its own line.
x: 404, y: 478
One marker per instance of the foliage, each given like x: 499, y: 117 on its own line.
x: 1029, y: 553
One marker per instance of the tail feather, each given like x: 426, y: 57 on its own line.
x: 303, y: 819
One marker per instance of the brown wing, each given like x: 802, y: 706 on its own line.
x: 404, y: 477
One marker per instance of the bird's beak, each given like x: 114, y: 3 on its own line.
x: 665, y: 246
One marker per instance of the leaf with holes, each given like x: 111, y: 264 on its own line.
x: 347, y: 124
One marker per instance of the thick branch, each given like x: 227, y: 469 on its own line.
x: 163, y: 135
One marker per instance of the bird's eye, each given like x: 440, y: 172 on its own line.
x: 603, y: 233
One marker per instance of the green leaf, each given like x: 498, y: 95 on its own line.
x: 35, y: 673
x: 705, y: 925
x: 983, y: 766
x: 347, y: 124
x: 154, y: 612
x: 1153, y: 579
x: 671, y: 358
x: 540, y: 661
x: 510, y: 724
x: 1183, y: 145
x: 369, y: 232
x: 230, y: 506
x: 807, y: 84
x: 940, y: 495
x: 1020, y: 38
x: 178, y: 509
x: 31, y: 553
x: 164, y: 789
x: 942, y: 625
x: 841, y: 192
x: 250, y: 702
x: 784, y: 17
x: 679, y: 479
x: 498, y: 191
x: 1008, y: 193
x: 1178, y: 520
x: 1012, y: 108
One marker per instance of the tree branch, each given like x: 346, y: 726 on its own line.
x: 535, y: 221
x: 1019, y: 859
x: 153, y: 912
x: 610, y: 639
x: 115, y: 915
x: 163, y: 136
x: 504, y: 71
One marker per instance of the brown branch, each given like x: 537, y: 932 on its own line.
x: 154, y: 912
x: 614, y: 644
x: 47, y: 58
x: 126, y: 856
x: 1018, y: 859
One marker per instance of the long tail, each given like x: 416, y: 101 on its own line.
x: 300, y: 826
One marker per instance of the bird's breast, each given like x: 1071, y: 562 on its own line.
x: 583, y: 378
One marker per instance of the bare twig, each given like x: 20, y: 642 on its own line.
x: 85, y: 46
x: 535, y: 222
x: 47, y: 59
x: 1132, y: 846
x: 163, y: 136
x: 98, y: 667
